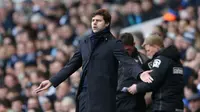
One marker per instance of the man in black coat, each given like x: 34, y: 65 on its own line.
x: 127, y: 102
x: 167, y: 72
x: 99, y: 56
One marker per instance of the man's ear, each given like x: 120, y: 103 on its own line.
x: 107, y: 24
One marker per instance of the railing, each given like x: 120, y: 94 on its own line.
x: 145, y: 27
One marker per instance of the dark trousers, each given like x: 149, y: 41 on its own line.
x: 130, y: 103
x: 83, y: 101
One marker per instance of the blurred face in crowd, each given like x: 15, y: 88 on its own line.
x: 19, y: 68
x: 46, y: 105
x: 7, y: 41
x: 178, y: 41
x: 55, y: 67
x: 2, y: 53
x: 21, y: 49
x: 168, y: 42
x: 34, y: 77
x: 62, y: 90
x: 57, y: 106
x: 65, y: 32
x: 194, y: 105
x: 10, y: 81
x: 151, y: 50
x: 190, y: 54
x: 137, y: 9
x: 33, y: 103
x: 98, y: 23
x: 146, y: 5
x: 17, y: 106
x: 188, y: 92
x: 182, y: 25
x: 61, y: 56
x: 10, y: 50
x: 67, y: 104
x: 54, y: 39
x: 3, y: 108
x: 197, y: 57
x: 3, y: 92
x: 12, y: 94
x: 30, y: 47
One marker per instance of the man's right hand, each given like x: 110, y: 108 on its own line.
x: 43, y: 86
x: 146, y: 77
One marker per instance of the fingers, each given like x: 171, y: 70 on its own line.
x: 41, y: 88
x: 130, y: 91
x: 151, y: 78
x: 148, y: 80
x: 38, y: 88
x: 149, y: 71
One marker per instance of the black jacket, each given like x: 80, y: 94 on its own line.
x: 101, y: 67
x: 126, y: 101
x: 168, y: 83
x: 125, y: 78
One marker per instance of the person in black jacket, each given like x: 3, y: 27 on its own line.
x: 167, y: 72
x: 98, y: 55
x: 127, y: 102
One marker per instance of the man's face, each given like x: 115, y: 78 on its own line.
x: 98, y: 23
x: 151, y: 50
x: 194, y: 105
x: 129, y: 49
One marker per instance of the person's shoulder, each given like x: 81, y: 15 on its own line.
x: 160, y: 57
x: 161, y: 60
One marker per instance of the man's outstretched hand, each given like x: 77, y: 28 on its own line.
x: 146, y: 77
x: 44, y: 85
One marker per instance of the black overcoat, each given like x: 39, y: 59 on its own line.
x: 100, y: 65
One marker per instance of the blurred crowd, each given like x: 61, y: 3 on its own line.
x: 38, y: 37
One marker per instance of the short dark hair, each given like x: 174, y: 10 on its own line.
x: 127, y: 39
x: 103, y: 12
x: 6, y: 103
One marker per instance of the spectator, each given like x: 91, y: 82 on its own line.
x: 67, y: 104
x: 194, y: 103
x: 17, y: 105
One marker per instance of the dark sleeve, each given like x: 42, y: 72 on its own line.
x: 74, y: 64
x: 123, y: 57
x: 159, y: 67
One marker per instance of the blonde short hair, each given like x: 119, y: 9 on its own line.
x: 153, y: 39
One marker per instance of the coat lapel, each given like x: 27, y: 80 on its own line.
x: 88, y: 44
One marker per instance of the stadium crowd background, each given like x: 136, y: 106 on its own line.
x: 37, y: 38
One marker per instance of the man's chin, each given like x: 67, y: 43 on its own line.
x: 95, y: 31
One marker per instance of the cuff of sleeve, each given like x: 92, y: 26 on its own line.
x: 138, y: 76
x: 53, y: 82
x: 140, y: 88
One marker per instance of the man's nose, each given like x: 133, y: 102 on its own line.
x: 95, y: 22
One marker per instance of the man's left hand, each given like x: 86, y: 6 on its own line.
x: 132, y: 89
